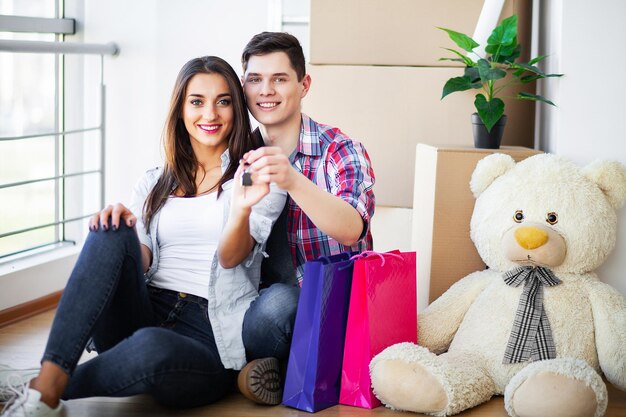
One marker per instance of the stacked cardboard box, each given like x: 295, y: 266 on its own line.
x: 376, y: 76
x: 395, y: 32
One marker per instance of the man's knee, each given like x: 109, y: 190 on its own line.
x: 274, y: 308
x: 276, y: 302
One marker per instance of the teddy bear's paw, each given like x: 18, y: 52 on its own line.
x: 403, y: 379
x: 557, y: 388
x: 409, y: 386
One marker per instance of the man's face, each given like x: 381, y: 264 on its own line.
x: 272, y: 89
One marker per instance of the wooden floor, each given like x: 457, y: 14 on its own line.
x: 22, y: 344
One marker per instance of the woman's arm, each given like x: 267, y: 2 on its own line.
x: 236, y: 241
x: 146, y: 257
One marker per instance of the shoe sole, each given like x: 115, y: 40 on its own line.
x: 260, y: 381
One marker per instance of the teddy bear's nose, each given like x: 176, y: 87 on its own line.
x: 531, y: 237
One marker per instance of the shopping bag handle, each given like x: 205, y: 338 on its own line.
x: 324, y: 259
x: 341, y: 257
x: 371, y: 252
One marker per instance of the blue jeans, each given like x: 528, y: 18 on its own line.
x: 149, y: 340
x: 268, y: 323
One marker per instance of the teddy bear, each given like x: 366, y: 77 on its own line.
x: 537, y: 325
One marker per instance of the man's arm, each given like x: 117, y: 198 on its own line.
x: 330, y: 213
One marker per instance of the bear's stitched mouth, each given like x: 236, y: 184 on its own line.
x: 529, y: 261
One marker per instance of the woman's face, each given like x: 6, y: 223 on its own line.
x: 208, y: 112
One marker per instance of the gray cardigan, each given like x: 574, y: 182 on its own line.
x: 231, y: 290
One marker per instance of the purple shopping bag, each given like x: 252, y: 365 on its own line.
x: 314, y: 368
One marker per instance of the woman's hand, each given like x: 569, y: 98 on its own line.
x: 116, y: 213
x: 244, y: 197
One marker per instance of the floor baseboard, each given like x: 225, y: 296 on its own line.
x: 29, y: 309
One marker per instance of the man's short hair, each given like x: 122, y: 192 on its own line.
x: 267, y: 42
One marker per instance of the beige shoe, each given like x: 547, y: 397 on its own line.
x: 260, y: 381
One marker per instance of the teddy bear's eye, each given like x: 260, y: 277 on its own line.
x: 552, y: 218
x: 518, y: 217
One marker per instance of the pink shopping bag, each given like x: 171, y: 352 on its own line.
x: 382, y: 312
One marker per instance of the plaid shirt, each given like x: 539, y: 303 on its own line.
x: 341, y: 166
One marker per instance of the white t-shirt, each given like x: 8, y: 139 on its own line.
x: 188, y: 234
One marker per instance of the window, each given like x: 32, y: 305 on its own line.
x: 51, y: 128
x: 291, y: 16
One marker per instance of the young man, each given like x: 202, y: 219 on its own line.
x: 329, y: 180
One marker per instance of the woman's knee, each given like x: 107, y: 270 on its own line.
x: 123, y: 241
x: 153, y: 347
x: 122, y: 233
x: 179, y: 377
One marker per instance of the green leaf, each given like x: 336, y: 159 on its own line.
x: 489, y: 111
x: 534, y: 97
x: 505, y: 33
x: 504, y: 53
x: 526, y: 79
x: 487, y: 73
x: 537, y: 59
x: 503, y: 49
x: 510, y: 54
x: 458, y: 84
x: 463, y: 41
x: 527, y: 67
x: 530, y: 78
x: 450, y: 59
x: 530, y: 67
x: 472, y: 73
x: 467, y: 60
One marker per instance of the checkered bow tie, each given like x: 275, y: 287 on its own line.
x: 531, y: 337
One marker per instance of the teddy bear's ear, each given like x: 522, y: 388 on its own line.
x: 488, y: 169
x: 610, y: 177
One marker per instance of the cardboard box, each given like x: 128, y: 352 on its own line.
x: 398, y: 32
x: 442, y: 210
x: 391, y: 109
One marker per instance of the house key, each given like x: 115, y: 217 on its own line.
x: 246, y: 180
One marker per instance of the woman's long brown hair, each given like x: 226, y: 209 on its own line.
x: 181, y: 165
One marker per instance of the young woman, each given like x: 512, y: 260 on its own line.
x: 162, y: 287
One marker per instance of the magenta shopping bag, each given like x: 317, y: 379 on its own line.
x: 383, y: 312
x: 314, y: 368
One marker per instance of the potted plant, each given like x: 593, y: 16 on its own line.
x: 492, y: 74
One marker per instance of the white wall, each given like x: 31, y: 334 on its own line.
x: 583, y: 40
x: 156, y: 37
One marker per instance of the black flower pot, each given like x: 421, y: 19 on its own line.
x: 484, y: 139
